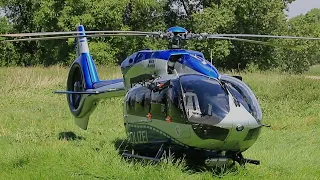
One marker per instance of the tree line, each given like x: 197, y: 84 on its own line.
x: 210, y: 16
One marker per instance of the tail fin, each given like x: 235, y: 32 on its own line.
x: 84, y: 88
x: 85, y: 60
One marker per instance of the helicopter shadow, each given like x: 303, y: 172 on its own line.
x: 190, y: 165
x: 69, y: 136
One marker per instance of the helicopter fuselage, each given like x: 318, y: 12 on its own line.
x: 178, y: 96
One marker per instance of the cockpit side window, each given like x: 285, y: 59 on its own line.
x: 239, y: 97
x: 252, y: 103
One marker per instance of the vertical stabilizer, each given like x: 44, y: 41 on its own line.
x: 85, y: 60
x: 82, y: 42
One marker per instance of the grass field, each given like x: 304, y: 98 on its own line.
x: 314, y: 71
x: 33, y: 119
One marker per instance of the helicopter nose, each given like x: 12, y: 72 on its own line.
x: 244, y: 129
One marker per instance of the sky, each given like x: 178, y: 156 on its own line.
x: 302, y: 6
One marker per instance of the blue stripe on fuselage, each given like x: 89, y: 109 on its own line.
x: 192, y: 59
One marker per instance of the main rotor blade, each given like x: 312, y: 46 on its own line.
x: 74, y: 36
x: 254, y: 42
x: 264, y: 36
x: 75, y: 33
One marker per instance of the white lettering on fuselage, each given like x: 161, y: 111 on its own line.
x: 151, y: 64
x: 139, y: 137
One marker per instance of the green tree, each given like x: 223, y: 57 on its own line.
x: 210, y: 16
x: 300, y: 60
x: 8, y: 55
x: 203, y: 22
x: 255, y: 17
x: 232, y: 16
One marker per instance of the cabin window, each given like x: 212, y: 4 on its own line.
x: 175, y: 103
x: 147, y: 102
x: 138, y: 101
x: 159, y: 104
x: 130, y: 100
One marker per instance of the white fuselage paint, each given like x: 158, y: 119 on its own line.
x: 237, y: 116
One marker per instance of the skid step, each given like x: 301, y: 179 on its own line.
x: 251, y: 161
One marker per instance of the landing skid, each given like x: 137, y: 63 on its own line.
x: 197, y: 158
x: 157, y: 158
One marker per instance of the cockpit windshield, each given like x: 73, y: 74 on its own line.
x: 204, y: 99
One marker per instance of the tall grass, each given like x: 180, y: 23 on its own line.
x: 33, y: 120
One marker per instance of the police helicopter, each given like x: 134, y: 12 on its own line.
x: 174, y: 99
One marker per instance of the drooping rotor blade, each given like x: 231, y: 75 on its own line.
x: 76, y: 33
x: 265, y: 36
x: 253, y: 41
x: 73, y: 36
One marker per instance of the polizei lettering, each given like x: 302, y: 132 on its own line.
x: 137, y: 137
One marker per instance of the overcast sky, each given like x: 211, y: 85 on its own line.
x: 302, y: 6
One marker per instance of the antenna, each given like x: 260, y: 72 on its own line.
x: 211, y: 56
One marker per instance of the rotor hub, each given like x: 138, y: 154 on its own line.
x: 176, y: 39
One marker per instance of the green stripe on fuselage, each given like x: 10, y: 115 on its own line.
x: 142, y: 130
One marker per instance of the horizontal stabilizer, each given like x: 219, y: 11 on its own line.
x: 74, y: 92
x: 116, y: 82
x: 101, y: 87
x: 87, y: 100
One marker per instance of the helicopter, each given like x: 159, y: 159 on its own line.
x: 174, y: 99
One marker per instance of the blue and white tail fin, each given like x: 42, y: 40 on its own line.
x: 84, y: 88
